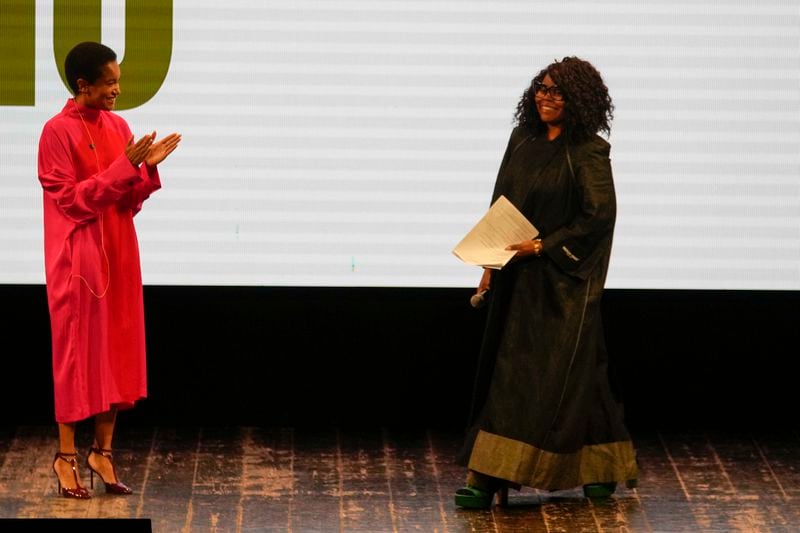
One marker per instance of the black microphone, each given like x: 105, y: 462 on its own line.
x: 478, y: 300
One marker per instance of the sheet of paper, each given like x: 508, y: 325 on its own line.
x: 485, y: 244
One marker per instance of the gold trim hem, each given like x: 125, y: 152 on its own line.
x: 525, y: 464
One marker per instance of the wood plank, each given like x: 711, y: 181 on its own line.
x: 165, y: 495
x: 412, y: 479
x: 269, y: 486
x: 367, y: 499
x: 319, y: 480
x: 217, y: 484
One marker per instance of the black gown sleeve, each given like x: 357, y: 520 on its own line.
x: 577, y: 246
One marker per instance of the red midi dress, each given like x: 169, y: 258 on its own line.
x: 94, y: 281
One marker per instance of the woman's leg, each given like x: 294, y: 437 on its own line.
x: 66, y: 438
x: 103, y: 437
x: 104, y: 429
x: 68, y: 477
x: 100, y: 459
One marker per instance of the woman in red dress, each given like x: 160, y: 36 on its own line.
x: 95, y: 177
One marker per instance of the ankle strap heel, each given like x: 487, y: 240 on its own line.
x: 112, y: 487
x: 79, y: 492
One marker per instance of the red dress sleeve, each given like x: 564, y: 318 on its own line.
x: 150, y: 183
x: 81, y: 200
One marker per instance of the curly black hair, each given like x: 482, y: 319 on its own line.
x: 86, y: 60
x: 587, y: 104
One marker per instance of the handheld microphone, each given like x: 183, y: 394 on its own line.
x: 478, y: 300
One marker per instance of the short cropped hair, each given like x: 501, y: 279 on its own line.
x: 86, y: 60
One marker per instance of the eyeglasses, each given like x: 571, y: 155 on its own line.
x: 543, y: 90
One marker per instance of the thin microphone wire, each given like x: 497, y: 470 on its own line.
x: 102, y: 232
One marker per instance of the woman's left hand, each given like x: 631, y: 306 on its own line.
x: 162, y: 148
x: 527, y: 248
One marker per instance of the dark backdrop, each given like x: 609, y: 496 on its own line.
x: 405, y: 357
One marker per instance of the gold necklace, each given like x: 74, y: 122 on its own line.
x: 88, y: 133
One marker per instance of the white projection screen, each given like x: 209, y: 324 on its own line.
x: 354, y: 142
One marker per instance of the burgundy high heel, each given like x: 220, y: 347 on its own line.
x: 79, y: 492
x: 111, y: 488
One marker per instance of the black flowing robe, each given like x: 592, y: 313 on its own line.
x: 543, y: 412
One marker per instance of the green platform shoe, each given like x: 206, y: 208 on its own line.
x: 599, y: 491
x: 475, y: 498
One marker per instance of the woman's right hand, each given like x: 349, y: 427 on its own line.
x: 136, y: 152
x: 161, y: 149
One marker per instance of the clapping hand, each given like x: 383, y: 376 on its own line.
x: 138, y: 151
x: 162, y: 148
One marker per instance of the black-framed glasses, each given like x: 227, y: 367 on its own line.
x: 540, y: 89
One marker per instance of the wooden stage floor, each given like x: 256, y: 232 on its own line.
x: 248, y: 479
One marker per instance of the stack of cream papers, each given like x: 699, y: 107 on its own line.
x: 485, y: 244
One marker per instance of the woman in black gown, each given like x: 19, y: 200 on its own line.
x: 543, y: 412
